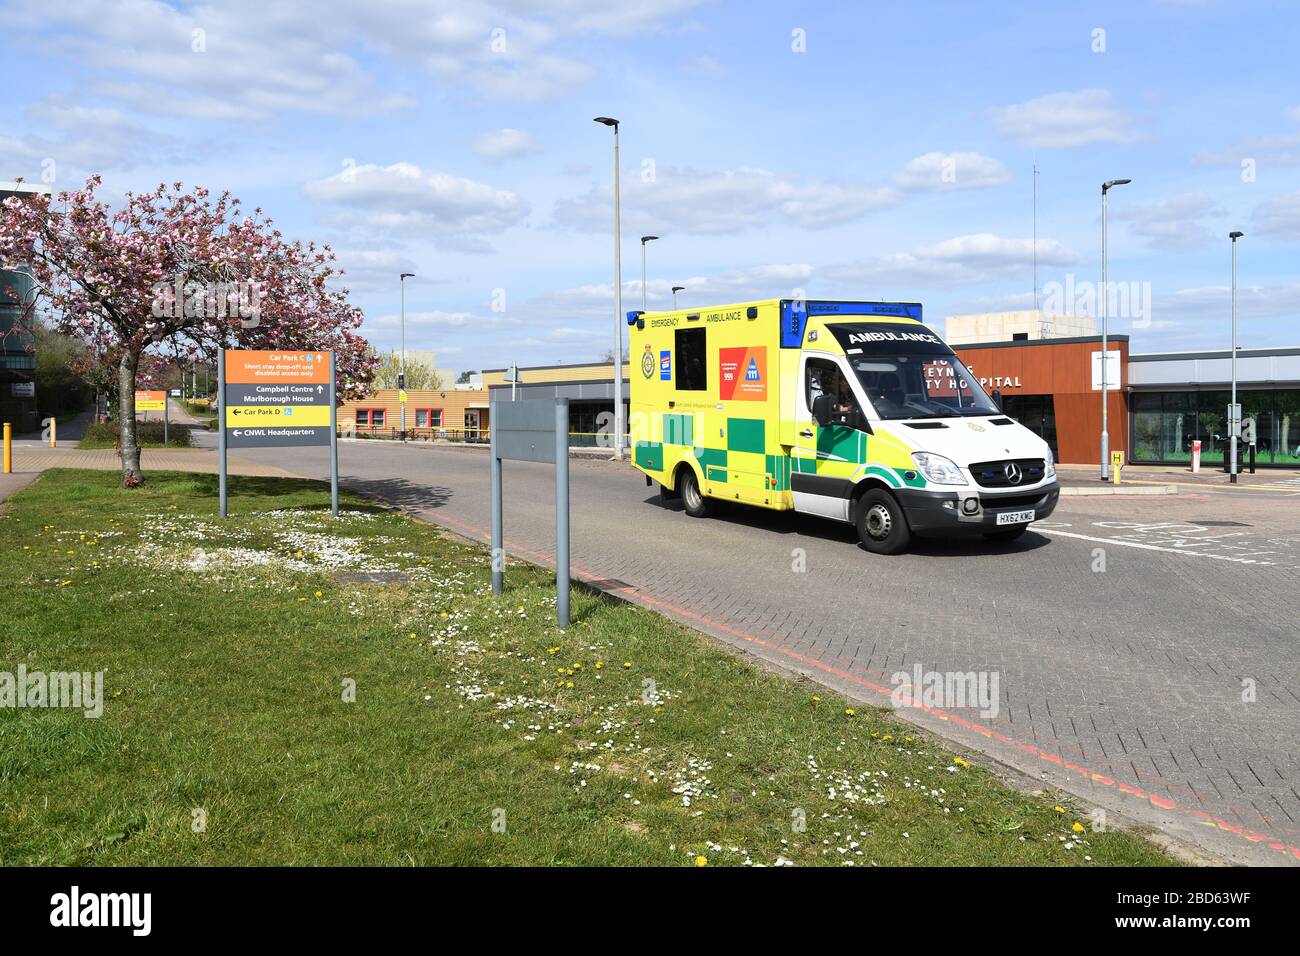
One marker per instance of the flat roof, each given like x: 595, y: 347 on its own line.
x: 1213, y: 354
x: 1018, y: 343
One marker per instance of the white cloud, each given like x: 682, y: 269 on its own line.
x: 939, y: 171
x: 962, y: 260
x: 1281, y: 149
x: 596, y: 300
x: 1278, y: 216
x: 1066, y: 120
x: 1175, y: 223
x: 372, y: 269
x: 692, y: 201
x: 505, y: 144
x: 77, y: 137
x: 451, y: 210
x: 250, y: 59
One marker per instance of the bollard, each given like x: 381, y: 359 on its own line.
x: 54, y: 432
x: 1196, y: 457
x: 1116, y: 465
x: 9, y: 445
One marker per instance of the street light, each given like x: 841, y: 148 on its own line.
x: 676, y: 289
x: 1234, y: 430
x: 618, y: 303
x: 401, y: 362
x: 644, y: 240
x: 1105, y: 365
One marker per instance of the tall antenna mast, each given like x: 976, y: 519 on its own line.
x: 1035, y: 235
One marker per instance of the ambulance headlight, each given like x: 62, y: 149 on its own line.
x: 938, y: 469
x: 1049, y: 465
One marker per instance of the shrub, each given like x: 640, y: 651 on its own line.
x: 148, y: 434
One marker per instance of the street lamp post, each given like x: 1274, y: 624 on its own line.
x: 676, y: 289
x: 401, y: 361
x: 618, y: 302
x: 1233, y: 430
x: 644, y: 240
x: 1105, y: 365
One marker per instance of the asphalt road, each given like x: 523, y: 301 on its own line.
x: 1145, y: 651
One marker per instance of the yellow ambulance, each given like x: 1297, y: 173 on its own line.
x: 853, y: 411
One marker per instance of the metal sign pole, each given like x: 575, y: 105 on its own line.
x: 165, y: 416
x: 498, y: 547
x: 562, y: 512
x: 221, y: 428
x: 334, y: 443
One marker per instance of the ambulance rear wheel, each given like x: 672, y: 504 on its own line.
x: 693, y: 501
x: 882, y: 526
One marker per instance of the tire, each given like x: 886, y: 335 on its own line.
x: 1007, y: 534
x: 882, y: 526
x: 693, y: 501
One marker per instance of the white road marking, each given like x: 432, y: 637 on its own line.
x: 1146, y: 547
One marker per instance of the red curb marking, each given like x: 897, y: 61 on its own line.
x: 1163, y: 803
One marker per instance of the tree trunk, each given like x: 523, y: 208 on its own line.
x: 130, y: 446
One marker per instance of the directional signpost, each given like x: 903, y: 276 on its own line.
x: 152, y: 400
x: 274, y: 399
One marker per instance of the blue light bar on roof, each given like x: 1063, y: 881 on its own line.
x: 633, y: 316
x: 794, y: 314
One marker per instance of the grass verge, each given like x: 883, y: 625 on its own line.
x: 262, y: 705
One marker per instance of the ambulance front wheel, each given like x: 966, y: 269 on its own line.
x: 882, y: 526
x: 693, y: 501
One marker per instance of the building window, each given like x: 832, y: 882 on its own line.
x: 428, y: 418
x: 692, y: 360
x: 1166, y: 423
x: 370, y: 418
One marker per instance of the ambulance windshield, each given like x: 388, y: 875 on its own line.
x: 920, y: 385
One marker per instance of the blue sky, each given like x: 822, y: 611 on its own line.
x: 890, y: 157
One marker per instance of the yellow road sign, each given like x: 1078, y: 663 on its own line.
x: 277, y: 416
x: 150, y: 400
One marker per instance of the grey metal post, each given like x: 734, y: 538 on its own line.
x: 1232, y: 467
x: 334, y: 444
x: 562, y: 512
x: 221, y: 428
x: 1105, y: 365
x: 1105, y: 377
x: 166, y: 412
x: 401, y: 362
x: 498, y: 546
x: 618, y: 314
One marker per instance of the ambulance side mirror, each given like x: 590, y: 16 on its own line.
x: 821, y: 409
x: 997, y: 399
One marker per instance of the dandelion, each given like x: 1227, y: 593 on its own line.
x: 850, y: 711
x: 701, y: 861
x: 958, y: 761
x: 1078, y: 827
x: 627, y: 665
x: 1059, y: 809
